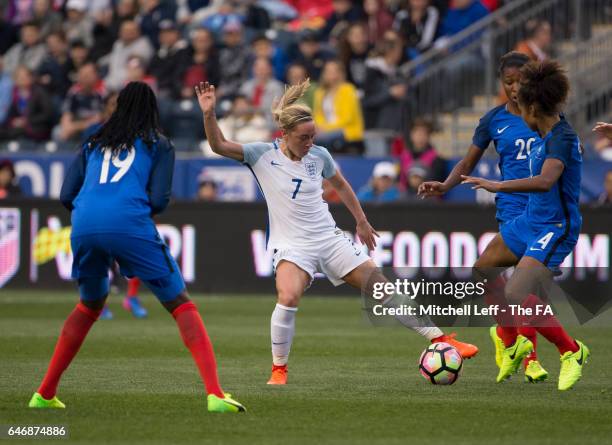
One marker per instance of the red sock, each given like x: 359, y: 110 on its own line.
x: 507, y: 334
x: 133, y: 287
x: 196, y: 339
x: 531, y: 334
x: 550, y: 328
x: 71, y: 338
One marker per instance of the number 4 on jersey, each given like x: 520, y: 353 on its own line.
x: 122, y: 164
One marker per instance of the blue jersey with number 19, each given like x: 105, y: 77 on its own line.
x: 513, y: 140
x: 118, y: 193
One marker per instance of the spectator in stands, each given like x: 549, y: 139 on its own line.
x: 79, y: 56
x: 382, y: 186
x: 263, y: 89
x: 130, y: 43
x: 256, y: 17
x: 226, y: 13
x: 353, y: 51
x: 417, y: 23
x: 261, y: 46
x: 170, y: 61
x: 30, y: 114
x: 107, y: 25
x: 378, y: 19
x: 83, y: 105
x: 415, y: 176
x: 207, y: 188
x: 8, y: 34
x: 310, y: 13
x: 78, y: 25
x: 310, y: 53
x: 54, y: 71
x: 344, y: 13
x: 243, y: 124
x: 386, y: 89
x: 48, y: 19
x: 29, y: 51
x: 186, y: 9
x: 337, y: 111
x: 417, y: 148
x: 296, y: 74
x: 538, y: 42
x: 6, y: 87
x: 203, y: 61
x: 152, y: 13
x: 8, y: 185
x: 137, y: 72
x: 233, y: 59
x: 605, y: 199
x: 460, y: 15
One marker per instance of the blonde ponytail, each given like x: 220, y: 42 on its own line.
x: 287, y: 113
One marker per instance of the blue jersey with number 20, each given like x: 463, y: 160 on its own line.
x: 513, y: 140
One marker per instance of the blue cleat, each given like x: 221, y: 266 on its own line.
x: 132, y: 304
x: 106, y: 314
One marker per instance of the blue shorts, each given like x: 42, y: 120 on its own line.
x: 548, y: 244
x: 147, y: 259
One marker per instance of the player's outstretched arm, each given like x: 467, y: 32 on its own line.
x: 218, y: 143
x: 604, y: 129
x: 73, y: 181
x: 463, y: 168
x: 366, y: 233
x: 551, y: 171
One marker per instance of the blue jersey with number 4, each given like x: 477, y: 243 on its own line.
x: 118, y: 193
x: 559, y: 205
x: 513, y: 140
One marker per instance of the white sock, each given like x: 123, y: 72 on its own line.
x: 421, y: 325
x: 282, y: 329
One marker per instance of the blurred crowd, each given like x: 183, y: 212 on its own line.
x: 63, y: 61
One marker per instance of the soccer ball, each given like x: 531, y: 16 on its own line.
x: 440, y: 364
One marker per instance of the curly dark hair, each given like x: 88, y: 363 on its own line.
x: 545, y: 85
x: 136, y: 116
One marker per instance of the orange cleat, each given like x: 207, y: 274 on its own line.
x: 279, y: 375
x: 466, y: 350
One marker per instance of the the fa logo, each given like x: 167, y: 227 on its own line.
x: 311, y: 169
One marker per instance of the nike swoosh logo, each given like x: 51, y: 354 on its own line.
x: 501, y: 130
x: 581, y: 357
x: 275, y: 163
x: 514, y: 352
x: 531, y: 248
x: 283, y: 343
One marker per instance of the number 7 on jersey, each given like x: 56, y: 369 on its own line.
x: 297, y: 187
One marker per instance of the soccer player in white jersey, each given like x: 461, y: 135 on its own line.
x: 303, y: 235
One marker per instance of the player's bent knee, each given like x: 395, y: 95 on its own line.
x: 93, y: 291
x: 172, y: 305
x: 289, y: 299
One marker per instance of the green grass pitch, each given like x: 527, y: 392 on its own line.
x: 349, y: 383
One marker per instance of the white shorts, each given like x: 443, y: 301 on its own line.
x: 335, y: 257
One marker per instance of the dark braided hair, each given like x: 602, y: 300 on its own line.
x: 136, y: 116
x: 513, y: 59
x: 545, y: 85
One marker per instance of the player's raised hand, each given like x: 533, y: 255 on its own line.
x: 481, y: 183
x: 206, y: 97
x: 367, y: 234
x: 431, y: 188
x: 604, y: 129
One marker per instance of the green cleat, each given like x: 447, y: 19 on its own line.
x: 226, y: 405
x: 499, y: 345
x: 37, y: 401
x: 534, y: 372
x: 513, y: 356
x: 571, y: 366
